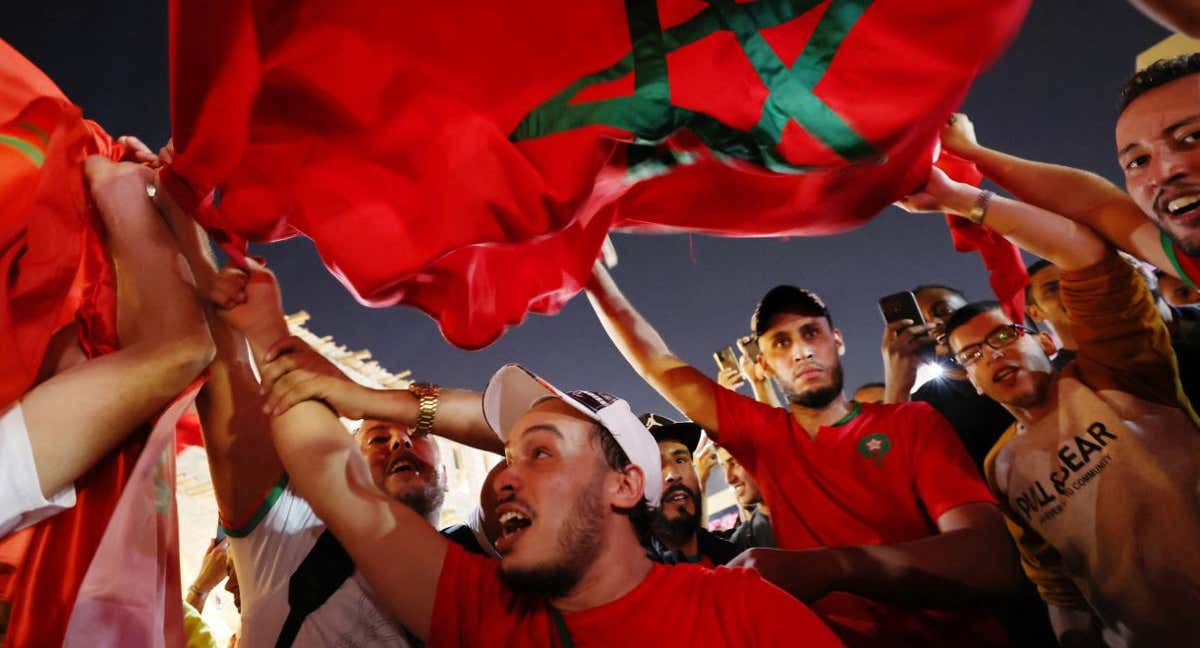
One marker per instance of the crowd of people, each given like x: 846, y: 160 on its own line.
x: 1044, y: 490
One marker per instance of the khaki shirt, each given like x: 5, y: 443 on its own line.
x: 1101, y: 495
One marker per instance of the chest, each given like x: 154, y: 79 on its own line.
x: 1102, y: 467
x: 850, y: 484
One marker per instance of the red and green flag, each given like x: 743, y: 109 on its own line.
x: 469, y: 158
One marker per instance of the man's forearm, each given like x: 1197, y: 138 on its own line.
x: 1074, y: 193
x: 1079, y: 195
x: 1065, y: 243
x: 633, y: 336
x: 684, y: 386
x: 947, y: 570
x: 459, y: 415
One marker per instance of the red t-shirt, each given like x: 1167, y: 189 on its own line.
x: 882, y: 475
x: 679, y: 605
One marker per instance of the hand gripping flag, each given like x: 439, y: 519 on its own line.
x: 469, y: 158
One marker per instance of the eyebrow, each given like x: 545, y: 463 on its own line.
x: 544, y: 427
x: 1183, y: 122
x: 681, y: 453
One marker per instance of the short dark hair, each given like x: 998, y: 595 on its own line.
x: 1160, y: 72
x: 932, y: 286
x: 968, y: 313
x: 615, y: 457
x: 1032, y: 269
x: 787, y: 299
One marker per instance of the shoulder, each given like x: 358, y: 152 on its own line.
x: 913, y: 416
x: 995, y: 465
x: 281, y: 513
x: 729, y: 401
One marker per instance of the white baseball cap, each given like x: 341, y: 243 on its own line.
x: 514, y: 389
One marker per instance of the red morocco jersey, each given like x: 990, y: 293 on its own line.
x: 882, y: 475
x: 678, y: 605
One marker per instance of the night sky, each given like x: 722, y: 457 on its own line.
x: 1052, y: 97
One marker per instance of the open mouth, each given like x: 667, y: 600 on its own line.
x: 512, y: 526
x: 678, y: 497
x: 1183, y: 204
x: 402, y: 465
x: 1004, y: 374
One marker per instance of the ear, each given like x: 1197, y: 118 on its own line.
x: 761, y: 361
x: 841, y: 344
x: 1046, y: 342
x: 629, y: 487
x: 1035, y: 313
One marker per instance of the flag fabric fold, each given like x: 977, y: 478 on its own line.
x: 54, y: 271
x: 468, y: 158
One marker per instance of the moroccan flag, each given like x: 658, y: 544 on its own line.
x: 468, y: 158
x: 53, y: 270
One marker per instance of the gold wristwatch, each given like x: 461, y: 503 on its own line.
x: 979, y: 210
x: 427, y: 398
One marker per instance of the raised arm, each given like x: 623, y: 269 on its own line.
x: 684, y: 386
x: 293, y: 373
x: 1079, y: 195
x: 83, y: 412
x: 241, y: 458
x: 395, y: 548
x: 1062, y: 241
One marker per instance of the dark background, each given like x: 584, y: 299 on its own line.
x: 1052, y: 96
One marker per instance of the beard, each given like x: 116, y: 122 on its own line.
x: 675, y: 532
x: 426, y: 500
x: 821, y: 396
x: 1190, y: 247
x: 579, y: 543
x: 1041, y: 390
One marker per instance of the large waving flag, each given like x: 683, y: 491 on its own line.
x: 468, y: 158
x: 53, y: 271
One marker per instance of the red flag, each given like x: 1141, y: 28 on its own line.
x: 468, y: 158
x: 54, y: 270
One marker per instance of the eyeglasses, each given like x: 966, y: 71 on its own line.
x: 999, y: 338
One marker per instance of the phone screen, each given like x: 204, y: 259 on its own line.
x: 900, y: 306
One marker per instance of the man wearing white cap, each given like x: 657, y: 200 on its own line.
x: 582, y: 475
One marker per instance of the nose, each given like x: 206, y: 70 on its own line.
x: 401, y: 440
x: 992, y: 354
x: 671, y: 474
x: 1168, y: 168
x: 802, y: 352
x: 506, y: 482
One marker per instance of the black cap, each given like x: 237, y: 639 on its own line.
x: 787, y: 299
x: 663, y: 428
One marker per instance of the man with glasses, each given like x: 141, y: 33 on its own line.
x: 1099, y: 475
x: 978, y: 420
